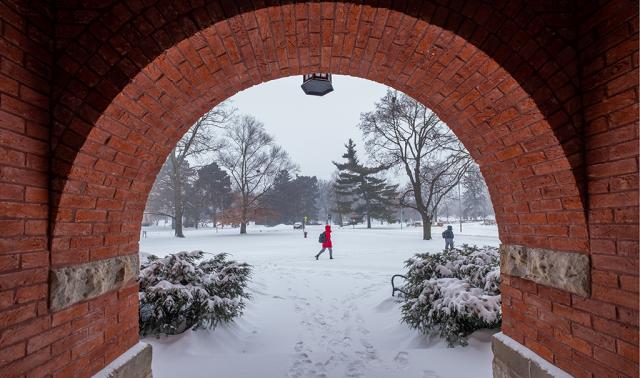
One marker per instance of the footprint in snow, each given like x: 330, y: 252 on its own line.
x: 369, y: 354
x: 335, y: 358
x: 303, y: 357
x: 429, y: 374
x: 363, y: 330
x: 402, y: 360
x: 320, y: 369
x: 368, y: 346
x: 320, y: 320
x: 306, y: 324
x: 355, y: 369
x: 345, y: 342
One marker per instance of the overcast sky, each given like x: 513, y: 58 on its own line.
x: 313, y: 130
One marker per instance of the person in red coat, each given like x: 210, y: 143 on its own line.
x: 326, y: 243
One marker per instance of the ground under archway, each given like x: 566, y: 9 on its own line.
x: 547, y: 108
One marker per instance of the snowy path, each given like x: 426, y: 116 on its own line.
x: 326, y: 318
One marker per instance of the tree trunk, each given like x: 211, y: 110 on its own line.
x: 177, y: 194
x: 426, y: 227
x: 178, y: 231
x: 243, y: 223
x: 368, y: 216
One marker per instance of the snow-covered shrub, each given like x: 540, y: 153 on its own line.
x: 453, y: 293
x: 179, y: 292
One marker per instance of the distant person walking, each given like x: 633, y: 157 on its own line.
x: 448, y: 237
x: 325, y: 239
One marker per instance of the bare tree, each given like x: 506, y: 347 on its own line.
x: 404, y: 134
x: 160, y: 199
x: 199, y: 140
x: 440, y: 175
x: 253, y: 160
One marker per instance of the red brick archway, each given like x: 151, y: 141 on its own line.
x: 543, y: 96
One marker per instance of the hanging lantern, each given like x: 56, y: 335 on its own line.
x: 317, y: 84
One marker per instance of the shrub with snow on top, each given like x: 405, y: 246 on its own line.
x: 179, y: 292
x: 453, y: 293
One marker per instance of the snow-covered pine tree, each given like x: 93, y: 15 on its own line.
x: 360, y: 190
x: 179, y: 292
x: 453, y: 293
x: 346, y: 182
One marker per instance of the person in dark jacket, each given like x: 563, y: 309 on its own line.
x: 326, y: 243
x: 448, y: 238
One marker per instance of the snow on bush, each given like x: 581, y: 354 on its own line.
x: 179, y: 292
x: 453, y: 293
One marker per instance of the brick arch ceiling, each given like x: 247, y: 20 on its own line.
x: 122, y: 106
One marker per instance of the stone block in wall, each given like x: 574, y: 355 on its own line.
x: 513, y: 360
x: 134, y: 363
x: 73, y: 284
x: 566, y: 271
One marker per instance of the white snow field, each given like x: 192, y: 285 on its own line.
x: 326, y: 318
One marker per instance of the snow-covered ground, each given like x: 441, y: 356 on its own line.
x: 326, y: 318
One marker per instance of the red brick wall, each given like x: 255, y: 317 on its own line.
x: 598, y: 335
x: 25, y: 84
x: 608, y: 48
x: 506, y: 77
